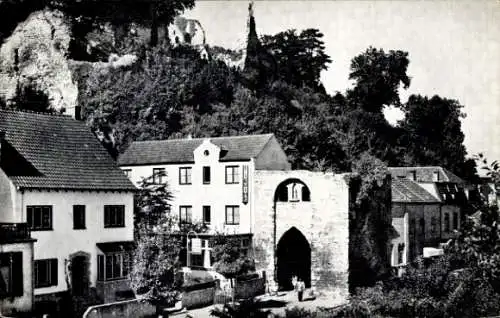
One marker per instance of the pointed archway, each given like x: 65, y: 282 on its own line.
x: 293, y: 259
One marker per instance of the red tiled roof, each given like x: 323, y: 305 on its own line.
x: 408, y: 191
x: 181, y: 150
x: 58, y: 153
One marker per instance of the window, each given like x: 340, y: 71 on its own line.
x: 434, y: 223
x: 40, y: 217
x: 232, y: 214
x: 11, y: 274
x: 401, y: 250
x: 435, y: 176
x: 78, y: 217
x: 232, y: 174
x: 446, y: 222
x: 245, y: 246
x: 413, y: 235
x: 413, y: 175
x: 45, y: 272
x: 455, y: 220
x: 422, y: 226
x: 128, y: 172
x: 158, y: 175
x: 295, y: 192
x: 206, y: 175
x: 185, y: 214
x: 207, y: 218
x: 113, y: 266
x: 185, y: 175
x: 114, y: 216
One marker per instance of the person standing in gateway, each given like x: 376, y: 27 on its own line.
x: 300, y: 289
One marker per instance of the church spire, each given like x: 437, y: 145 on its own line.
x: 253, y: 42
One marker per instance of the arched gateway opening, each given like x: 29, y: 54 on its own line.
x: 293, y: 259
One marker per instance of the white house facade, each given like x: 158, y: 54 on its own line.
x: 60, y: 183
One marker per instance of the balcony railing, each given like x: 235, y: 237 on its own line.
x: 14, y: 232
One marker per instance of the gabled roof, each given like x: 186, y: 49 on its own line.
x: 235, y: 148
x: 46, y: 151
x: 425, y: 174
x: 407, y: 191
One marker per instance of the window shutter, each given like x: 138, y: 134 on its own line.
x: 30, y: 217
x: 100, y: 267
x: 17, y: 274
x: 53, y: 272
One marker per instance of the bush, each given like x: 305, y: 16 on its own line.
x: 297, y: 312
x: 245, y: 309
x: 246, y: 277
x: 347, y: 311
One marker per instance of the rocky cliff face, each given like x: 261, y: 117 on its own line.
x: 36, y: 54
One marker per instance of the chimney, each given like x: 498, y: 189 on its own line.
x: 189, y: 136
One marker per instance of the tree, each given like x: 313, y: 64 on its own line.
x: 150, y: 99
x: 148, y: 13
x: 432, y: 134
x: 152, y: 201
x: 477, y: 245
x: 155, y: 271
x: 369, y: 226
x: 230, y: 261
x: 377, y: 76
x: 300, y: 57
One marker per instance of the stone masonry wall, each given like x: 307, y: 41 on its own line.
x: 323, y: 221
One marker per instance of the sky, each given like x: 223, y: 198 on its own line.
x: 453, y: 46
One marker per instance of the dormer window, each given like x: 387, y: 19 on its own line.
x: 413, y: 175
x: 435, y: 176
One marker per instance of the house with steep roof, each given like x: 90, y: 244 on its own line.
x: 58, y: 183
x: 209, y: 177
x: 291, y: 222
x: 427, y: 206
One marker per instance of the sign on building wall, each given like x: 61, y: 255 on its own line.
x: 196, y: 246
x: 245, y: 185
